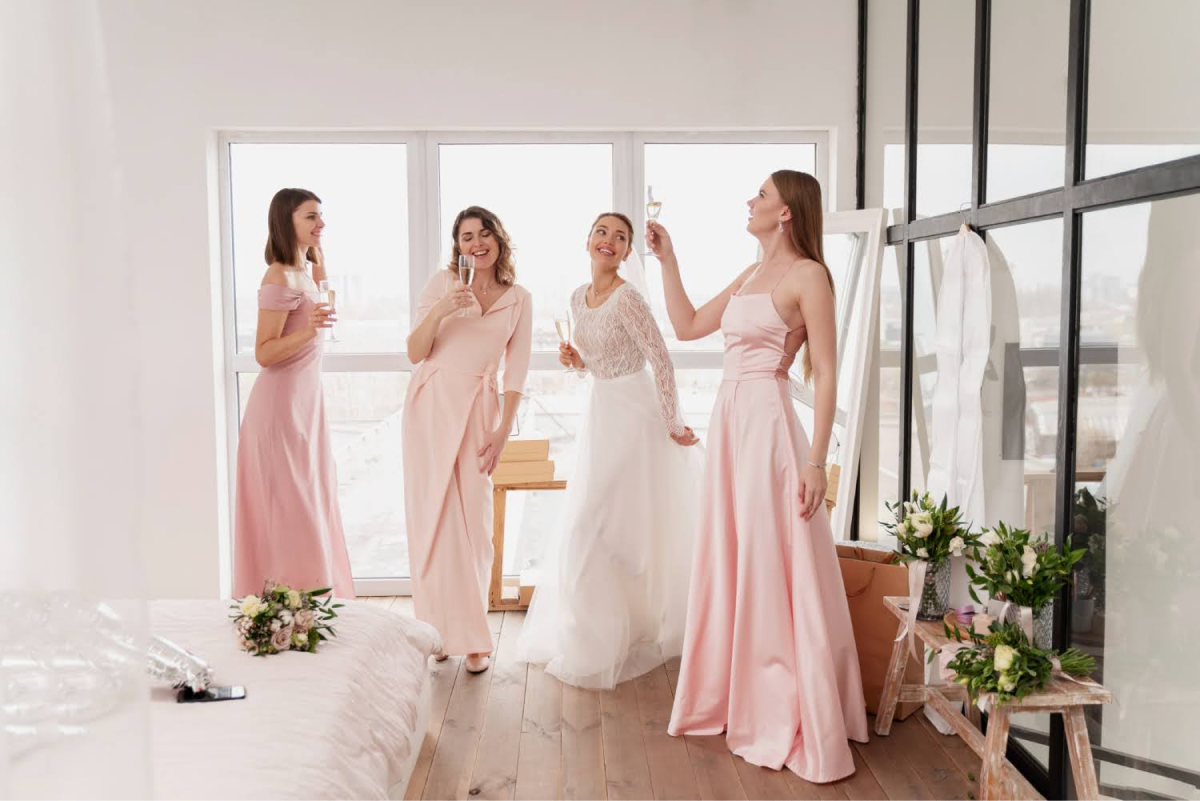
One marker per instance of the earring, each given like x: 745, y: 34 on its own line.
x: 781, y: 226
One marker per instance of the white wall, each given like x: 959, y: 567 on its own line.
x: 183, y: 70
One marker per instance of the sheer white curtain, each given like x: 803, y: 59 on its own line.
x: 75, y: 705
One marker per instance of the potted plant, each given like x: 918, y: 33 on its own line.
x: 930, y: 533
x: 1013, y: 566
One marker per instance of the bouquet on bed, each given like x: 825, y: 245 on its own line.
x: 284, y: 619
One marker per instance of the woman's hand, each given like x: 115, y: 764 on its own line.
x: 569, y: 357
x: 687, y: 438
x: 813, y: 483
x: 659, y: 241
x: 321, y: 316
x: 459, y: 296
x: 489, y: 454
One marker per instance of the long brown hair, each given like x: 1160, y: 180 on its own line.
x: 801, y: 193
x: 628, y: 224
x: 281, y: 233
x: 506, y: 270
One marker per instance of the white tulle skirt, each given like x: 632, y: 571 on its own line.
x: 612, y: 590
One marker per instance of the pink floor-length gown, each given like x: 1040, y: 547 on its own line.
x: 768, y: 654
x: 288, y: 526
x: 452, y: 405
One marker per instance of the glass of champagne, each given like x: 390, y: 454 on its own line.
x: 562, y: 324
x: 466, y: 274
x: 329, y: 296
x: 653, y: 209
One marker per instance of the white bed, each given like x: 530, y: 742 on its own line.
x: 345, y: 722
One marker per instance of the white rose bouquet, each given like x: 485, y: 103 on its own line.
x: 929, y: 531
x: 284, y: 619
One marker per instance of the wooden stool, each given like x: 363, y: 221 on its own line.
x: 999, y: 779
x: 496, y: 600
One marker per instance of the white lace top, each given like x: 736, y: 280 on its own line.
x: 619, y: 337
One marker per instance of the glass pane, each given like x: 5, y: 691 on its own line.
x: 547, y: 196
x: 703, y: 189
x: 363, y: 410
x: 1142, y: 72
x: 364, y: 194
x: 551, y: 409
x: 1138, y: 586
x: 945, y: 94
x: 1018, y: 396
x: 1027, y: 97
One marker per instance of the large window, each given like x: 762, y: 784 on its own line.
x: 389, y: 202
x: 1093, y: 344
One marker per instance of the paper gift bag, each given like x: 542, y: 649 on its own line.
x: 869, y: 573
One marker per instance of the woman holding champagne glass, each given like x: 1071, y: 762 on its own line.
x: 288, y: 526
x: 612, y: 592
x: 769, y: 657
x: 454, y: 427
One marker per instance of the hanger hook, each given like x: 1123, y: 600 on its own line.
x: 963, y: 216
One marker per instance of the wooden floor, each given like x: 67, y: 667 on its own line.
x: 514, y: 732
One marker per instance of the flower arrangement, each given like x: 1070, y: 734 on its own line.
x: 929, y: 531
x: 1004, y: 662
x: 284, y: 619
x: 1014, y: 567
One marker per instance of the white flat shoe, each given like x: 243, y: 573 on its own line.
x: 478, y: 664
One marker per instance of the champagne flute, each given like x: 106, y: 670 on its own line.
x: 562, y: 324
x: 329, y: 295
x: 466, y: 273
x: 653, y: 209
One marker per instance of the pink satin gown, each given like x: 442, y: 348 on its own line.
x: 452, y: 405
x: 768, y: 654
x: 288, y: 525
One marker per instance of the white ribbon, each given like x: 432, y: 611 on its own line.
x: 1024, y: 617
x: 916, y: 585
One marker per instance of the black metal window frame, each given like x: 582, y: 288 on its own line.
x: 1070, y: 202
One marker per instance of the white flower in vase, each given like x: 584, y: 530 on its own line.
x: 956, y: 546
x: 923, y: 553
x: 989, y: 538
x: 1028, y: 561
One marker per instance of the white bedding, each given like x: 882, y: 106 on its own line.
x: 345, y: 722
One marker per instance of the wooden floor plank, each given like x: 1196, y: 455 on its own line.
x: 582, y: 745
x: 863, y: 783
x: 442, y: 678
x: 495, y: 773
x: 967, y: 760
x: 935, y: 769
x: 762, y: 782
x: 404, y: 605
x: 712, y: 765
x: 539, y: 774
x: 891, y: 769
x: 458, y: 743
x: 806, y: 790
x: 667, y: 757
x: 543, y: 702
x: 626, y: 772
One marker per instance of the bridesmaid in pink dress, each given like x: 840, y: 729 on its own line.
x: 288, y: 526
x: 454, y: 429
x: 768, y: 653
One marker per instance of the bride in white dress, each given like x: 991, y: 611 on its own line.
x: 612, y: 589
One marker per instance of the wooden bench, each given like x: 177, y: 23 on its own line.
x: 519, y: 595
x: 999, y: 778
